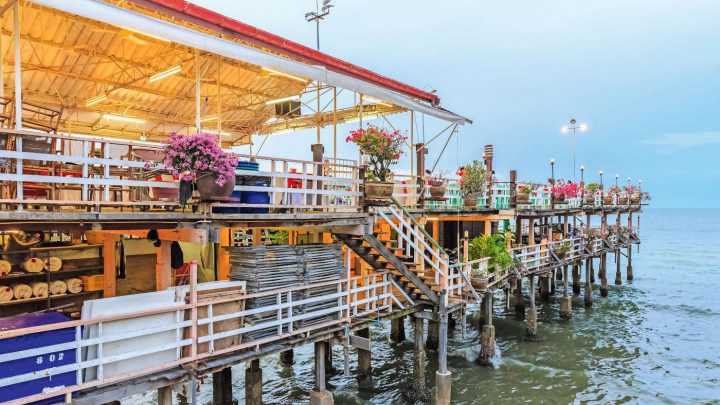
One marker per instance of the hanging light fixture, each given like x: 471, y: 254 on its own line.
x: 376, y: 100
x: 283, y: 74
x: 97, y: 99
x: 165, y: 73
x: 124, y: 118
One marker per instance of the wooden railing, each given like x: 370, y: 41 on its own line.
x: 190, y: 326
x: 76, y: 171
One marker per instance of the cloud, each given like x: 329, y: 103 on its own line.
x: 668, y: 143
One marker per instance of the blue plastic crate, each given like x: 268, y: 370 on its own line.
x: 36, y: 363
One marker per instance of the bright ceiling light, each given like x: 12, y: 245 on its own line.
x: 124, y: 118
x: 209, y: 118
x: 146, y: 34
x: 376, y: 101
x: 283, y: 74
x: 280, y: 100
x: 165, y: 73
x: 210, y: 131
x: 97, y: 99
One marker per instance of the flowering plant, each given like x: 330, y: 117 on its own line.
x: 472, y: 179
x: 188, y: 155
x: 592, y: 188
x: 630, y: 190
x: 437, y: 179
x: 568, y: 190
x: 383, y: 148
x: 525, y: 189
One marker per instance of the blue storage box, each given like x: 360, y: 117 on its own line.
x: 36, y: 363
x: 248, y: 197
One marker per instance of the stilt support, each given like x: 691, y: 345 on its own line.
x: 253, y: 384
x: 629, y: 265
x: 433, y: 336
x: 576, y: 279
x: 603, y: 275
x: 545, y: 287
x: 519, y: 301
x: 443, y: 377
x: 287, y: 358
x: 364, y: 373
x: 531, y: 330
x: 320, y: 395
x: 618, y: 275
x: 588, y: 284
x: 222, y: 387
x: 397, y: 330
x: 487, y: 337
x: 164, y: 396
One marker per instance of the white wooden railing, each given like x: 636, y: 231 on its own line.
x: 72, y: 170
x: 355, y: 297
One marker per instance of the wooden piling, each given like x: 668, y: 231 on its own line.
x: 629, y: 264
x: 487, y: 336
x: 588, y: 283
x: 287, y: 358
x: 222, y: 387
x: 545, y: 287
x: 576, y: 278
x: 603, y: 275
x: 364, y: 372
x: 443, y: 377
x: 320, y: 395
x: 164, y: 395
x: 433, y: 336
x: 565, y: 301
x: 419, y: 366
x: 397, y: 330
x: 618, y: 275
x: 253, y: 383
x: 531, y: 330
x: 519, y: 303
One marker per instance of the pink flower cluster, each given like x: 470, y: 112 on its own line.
x: 188, y: 155
x: 569, y: 190
x: 382, y: 147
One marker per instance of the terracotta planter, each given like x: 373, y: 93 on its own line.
x: 607, y: 200
x: 622, y: 200
x: 479, y: 283
x: 589, y: 200
x: 522, y: 198
x: 470, y: 202
x: 378, y: 190
x: 559, y: 199
x: 635, y: 199
x: 208, y: 189
x: 437, y: 191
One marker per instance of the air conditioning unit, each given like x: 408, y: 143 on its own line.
x: 289, y: 109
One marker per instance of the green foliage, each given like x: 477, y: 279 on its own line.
x: 472, y: 179
x: 592, y: 187
x: 279, y: 238
x: 492, y: 246
x: 525, y: 189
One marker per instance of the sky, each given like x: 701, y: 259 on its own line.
x: 643, y: 75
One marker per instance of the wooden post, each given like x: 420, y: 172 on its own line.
x: 433, y: 336
x: 419, y: 366
x: 317, y: 151
x: 223, y: 256
x: 588, y: 283
x: 222, y: 387
x: 165, y: 395
x: 287, y: 358
x: 531, y: 330
x: 618, y: 275
x: 364, y: 372
x: 603, y: 275
x: 163, y: 271
x: 519, y: 300
x: 320, y: 395
x: 253, y: 383
x: 487, y: 336
x: 397, y: 330
x: 576, y: 277
x: 513, y: 191
x: 420, y: 152
x: 629, y: 264
x: 565, y: 301
x: 109, y: 265
x: 531, y: 231
x: 443, y: 377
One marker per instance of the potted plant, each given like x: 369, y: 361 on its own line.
x: 437, y: 184
x: 563, y: 191
x: 494, y: 247
x: 383, y: 149
x: 198, y: 160
x: 472, y: 182
x: 590, y: 191
x: 523, y: 194
x: 608, y: 197
x: 562, y: 249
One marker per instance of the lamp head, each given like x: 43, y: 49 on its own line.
x: 582, y: 168
x: 552, y: 161
x: 572, y: 121
x: 601, y: 172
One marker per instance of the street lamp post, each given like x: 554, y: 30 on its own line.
x: 318, y: 15
x: 602, y: 192
x: 552, y: 171
x: 574, y: 127
x: 582, y: 174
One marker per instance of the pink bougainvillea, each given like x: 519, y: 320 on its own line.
x: 191, y: 154
x: 383, y: 148
x: 569, y: 190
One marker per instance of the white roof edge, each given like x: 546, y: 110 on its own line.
x: 117, y: 16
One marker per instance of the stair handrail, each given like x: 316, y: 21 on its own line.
x: 414, y: 221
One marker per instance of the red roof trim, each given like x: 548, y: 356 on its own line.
x: 210, y: 19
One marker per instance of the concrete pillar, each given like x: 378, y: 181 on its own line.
x: 364, y: 372
x: 320, y: 395
x: 591, y: 266
x: 588, y: 284
x: 253, y: 384
x: 164, y: 396
x: 487, y: 336
x: 531, y: 330
x: 603, y: 275
x: 397, y: 330
x: 629, y: 265
x: 519, y: 300
x: 287, y: 358
x: 483, y: 310
x: 222, y: 387
x: 618, y: 275
x: 576, y: 278
x: 443, y: 377
x: 433, y: 336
